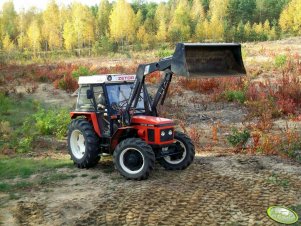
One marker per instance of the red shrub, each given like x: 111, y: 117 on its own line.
x: 154, y: 78
x: 195, y: 136
x: 67, y: 83
x: 287, y: 106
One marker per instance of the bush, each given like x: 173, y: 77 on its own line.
x: 81, y: 71
x: 104, y: 46
x: 67, y: 83
x: 235, y: 95
x: 164, y: 52
x: 280, y: 60
x: 238, y: 138
x: 5, y: 130
x: 52, y: 122
x: 5, y: 104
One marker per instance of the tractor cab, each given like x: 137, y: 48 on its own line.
x: 102, y: 99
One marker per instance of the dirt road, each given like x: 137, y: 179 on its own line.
x: 229, y: 190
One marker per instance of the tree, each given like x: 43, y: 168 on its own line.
x: 9, y: 17
x: 69, y: 35
x: 103, y: 15
x: 162, y: 32
x: 240, y: 11
x: 83, y: 26
x: 248, y: 31
x: 203, y: 30
x: 52, y: 26
x: 269, y: 9
x: 217, y: 13
x: 122, y: 22
x: 180, y: 25
x: 290, y: 18
x: 197, y: 14
x: 34, y: 36
x: 138, y: 21
x: 8, y: 44
x: 266, y: 27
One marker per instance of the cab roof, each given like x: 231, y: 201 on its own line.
x: 106, y: 78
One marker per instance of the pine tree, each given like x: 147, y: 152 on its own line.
x: 266, y: 27
x: 248, y: 31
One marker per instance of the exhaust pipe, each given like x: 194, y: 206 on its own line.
x: 207, y: 60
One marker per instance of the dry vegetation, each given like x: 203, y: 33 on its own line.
x: 258, y: 114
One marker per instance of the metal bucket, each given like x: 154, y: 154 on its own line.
x: 208, y: 60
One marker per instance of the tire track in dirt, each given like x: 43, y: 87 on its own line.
x: 231, y: 190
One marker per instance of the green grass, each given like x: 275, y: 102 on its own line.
x: 15, y: 110
x: 297, y: 209
x: 274, y: 179
x: 235, y: 96
x: 55, y: 177
x: 24, y: 168
x: 23, y: 185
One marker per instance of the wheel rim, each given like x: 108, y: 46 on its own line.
x: 77, y: 143
x: 131, y: 160
x: 170, y: 159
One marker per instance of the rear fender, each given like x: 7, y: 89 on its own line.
x: 91, y: 116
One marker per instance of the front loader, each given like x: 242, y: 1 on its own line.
x: 116, y: 115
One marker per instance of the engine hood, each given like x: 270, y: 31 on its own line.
x: 151, y: 120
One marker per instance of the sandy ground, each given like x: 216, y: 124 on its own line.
x: 225, y: 190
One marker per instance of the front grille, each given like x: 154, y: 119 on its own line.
x: 167, y: 136
x: 151, y: 135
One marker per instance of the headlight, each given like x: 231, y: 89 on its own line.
x: 162, y: 133
x: 170, y: 132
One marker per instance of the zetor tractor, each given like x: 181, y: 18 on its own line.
x: 116, y: 115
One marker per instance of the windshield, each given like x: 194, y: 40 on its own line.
x: 119, y: 94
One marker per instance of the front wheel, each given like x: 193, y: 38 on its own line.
x: 184, y: 158
x: 83, y: 144
x: 134, y: 159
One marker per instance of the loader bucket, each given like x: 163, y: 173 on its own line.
x: 207, y: 60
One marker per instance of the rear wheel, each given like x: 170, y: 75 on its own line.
x: 83, y: 144
x: 185, y: 147
x: 134, y: 159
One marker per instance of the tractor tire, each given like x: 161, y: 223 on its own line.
x: 182, y: 161
x: 83, y: 144
x: 134, y: 159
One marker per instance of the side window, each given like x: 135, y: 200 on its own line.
x: 99, y: 97
x: 83, y: 103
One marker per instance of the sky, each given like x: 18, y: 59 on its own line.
x: 41, y: 4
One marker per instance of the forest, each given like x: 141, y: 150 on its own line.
x: 108, y: 27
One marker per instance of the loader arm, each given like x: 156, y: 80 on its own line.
x: 189, y: 60
x: 139, y: 84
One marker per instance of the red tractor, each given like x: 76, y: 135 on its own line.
x: 116, y: 115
